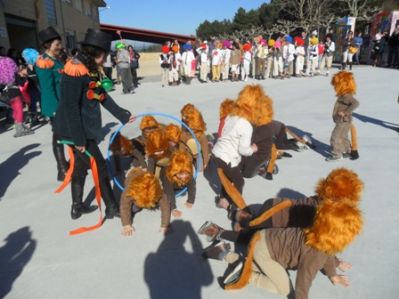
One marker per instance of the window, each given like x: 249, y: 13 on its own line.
x: 87, y: 9
x: 51, y: 12
x: 70, y: 41
x: 78, y: 5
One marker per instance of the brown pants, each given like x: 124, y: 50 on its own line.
x: 339, y: 139
x: 216, y: 72
x: 260, y: 66
x: 266, y: 272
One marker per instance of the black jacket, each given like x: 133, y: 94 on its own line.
x: 78, y: 118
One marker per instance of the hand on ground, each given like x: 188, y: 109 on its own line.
x: 344, y: 266
x: 188, y: 205
x: 340, y: 280
x: 176, y: 213
x: 128, y: 230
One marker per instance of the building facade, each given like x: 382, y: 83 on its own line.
x: 21, y: 20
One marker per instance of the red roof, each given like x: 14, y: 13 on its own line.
x: 143, y: 34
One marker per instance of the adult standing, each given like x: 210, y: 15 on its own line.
x: 134, y: 64
x: 188, y: 62
x: 358, y: 43
x: 393, y: 44
x: 123, y: 62
x: 107, y: 66
x: 347, y: 51
x: 79, y: 118
x: 48, y: 70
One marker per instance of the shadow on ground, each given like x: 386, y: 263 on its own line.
x: 172, y: 272
x: 9, y: 169
x: 14, y: 256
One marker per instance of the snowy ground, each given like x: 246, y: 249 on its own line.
x: 39, y: 260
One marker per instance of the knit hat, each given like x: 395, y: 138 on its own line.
x: 299, y: 41
x: 30, y: 55
x: 8, y: 70
x: 314, y: 40
x: 246, y: 47
x: 271, y: 42
x: 120, y: 45
x: 165, y: 49
x: 288, y: 39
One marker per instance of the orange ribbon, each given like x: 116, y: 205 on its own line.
x: 67, y: 180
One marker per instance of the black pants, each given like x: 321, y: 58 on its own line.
x: 250, y: 165
x: 233, y: 174
x: 134, y: 75
x: 82, y: 164
x: 108, y: 72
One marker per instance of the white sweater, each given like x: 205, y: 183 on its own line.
x: 235, y: 141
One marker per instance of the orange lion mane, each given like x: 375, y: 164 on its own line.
x: 187, y: 110
x: 157, y: 142
x: 144, y: 189
x: 181, y: 161
x: 148, y: 121
x: 173, y: 133
x: 344, y: 83
x: 340, y: 184
x: 335, y: 226
x: 247, y: 102
x: 265, y: 111
x: 122, y: 146
x: 225, y: 108
x: 192, y: 117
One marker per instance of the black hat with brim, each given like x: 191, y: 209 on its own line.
x: 97, y: 38
x: 48, y: 34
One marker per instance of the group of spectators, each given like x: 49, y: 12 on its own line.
x: 281, y: 56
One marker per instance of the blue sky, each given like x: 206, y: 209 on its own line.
x: 171, y: 16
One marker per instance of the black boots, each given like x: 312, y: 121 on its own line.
x: 111, y: 207
x: 62, y: 164
x: 78, y: 208
x: 354, y: 155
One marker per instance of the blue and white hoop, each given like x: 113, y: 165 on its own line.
x: 198, y: 145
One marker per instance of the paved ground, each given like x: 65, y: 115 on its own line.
x: 39, y: 260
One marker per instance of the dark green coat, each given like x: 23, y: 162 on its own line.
x: 78, y: 118
x: 48, y: 70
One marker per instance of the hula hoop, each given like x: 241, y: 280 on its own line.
x: 198, y: 145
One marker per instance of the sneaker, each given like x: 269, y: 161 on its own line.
x: 217, y: 251
x: 286, y: 155
x: 223, y: 203
x: 210, y: 230
x: 334, y: 158
x: 235, y: 272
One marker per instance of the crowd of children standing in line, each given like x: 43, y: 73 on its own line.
x: 220, y: 60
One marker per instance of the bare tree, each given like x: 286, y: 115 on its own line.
x: 361, y: 9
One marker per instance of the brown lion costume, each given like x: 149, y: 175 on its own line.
x: 144, y: 189
x: 247, y: 103
x: 337, y: 222
x: 343, y: 83
x: 173, y: 133
x: 157, y: 144
x: 180, y: 162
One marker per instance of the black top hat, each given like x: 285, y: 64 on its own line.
x: 97, y: 38
x: 48, y: 34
